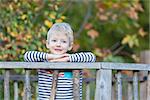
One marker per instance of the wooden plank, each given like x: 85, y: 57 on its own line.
x: 135, y: 85
x: 87, y: 91
x: 27, y: 91
x: 119, y: 86
x: 113, y: 93
x: 54, y: 85
x: 76, y: 84
x: 143, y: 89
x: 103, y: 85
x: 6, y: 85
x: 125, y: 66
x: 130, y: 91
x: 148, y: 86
x: 47, y: 65
x: 70, y: 65
x: 15, y: 90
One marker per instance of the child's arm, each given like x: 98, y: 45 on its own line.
x: 82, y: 57
x: 77, y: 57
x: 35, y: 56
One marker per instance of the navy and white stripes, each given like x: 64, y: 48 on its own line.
x: 35, y: 56
x: 82, y: 57
x: 65, y: 84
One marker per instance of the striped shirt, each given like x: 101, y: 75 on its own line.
x: 65, y: 79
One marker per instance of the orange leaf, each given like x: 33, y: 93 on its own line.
x: 93, y: 33
x: 88, y: 26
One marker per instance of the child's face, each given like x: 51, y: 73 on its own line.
x: 58, y: 43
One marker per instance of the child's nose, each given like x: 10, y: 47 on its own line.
x: 58, y: 43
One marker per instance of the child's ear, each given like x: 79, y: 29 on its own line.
x: 70, y: 47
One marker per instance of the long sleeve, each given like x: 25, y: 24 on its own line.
x: 82, y: 57
x: 35, y: 56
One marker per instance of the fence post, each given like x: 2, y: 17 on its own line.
x: 87, y: 91
x: 6, y: 86
x: 27, y: 91
x: 76, y: 84
x: 148, y: 86
x: 15, y: 90
x: 119, y: 86
x: 103, y: 84
x: 135, y: 85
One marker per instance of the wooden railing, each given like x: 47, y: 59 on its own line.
x: 104, y: 78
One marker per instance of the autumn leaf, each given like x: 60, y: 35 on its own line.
x: 13, y: 34
x: 52, y: 16
x: 28, y: 36
x: 132, y: 13
x: 135, y: 58
x: 141, y: 32
x: 48, y: 23
x: 131, y: 40
x: 24, y: 16
x: 63, y: 17
x: 138, y: 7
x: 93, y: 33
x: 98, y: 52
x: 88, y: 26
x: 58, y: 20
x: 126, y: 39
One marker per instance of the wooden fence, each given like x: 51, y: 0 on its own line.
x: 107, y: 87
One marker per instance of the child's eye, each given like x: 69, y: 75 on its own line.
x: 64, y: 41
x: 53, y: 40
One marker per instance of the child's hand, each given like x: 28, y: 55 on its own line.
x: 60, y: 58
x: 53, y: 56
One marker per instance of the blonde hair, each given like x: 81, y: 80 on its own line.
x: 64, y: 28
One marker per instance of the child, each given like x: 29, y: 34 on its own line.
x: 59, y: 41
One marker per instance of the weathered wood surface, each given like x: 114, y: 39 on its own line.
x: 103, y: 79
x: 87, y: 91
x: 16, y: 91
x: 76, y: 84
x: 135, y: 86
x: 125, y: 66
x: 148, y: 86
x: 119, y: 86
x: 27, y: 89
x: 103, y: 85
x: 6, y: 85
x: 48, y: 65
x: 69, y: 65
x: 54, y: 85
x: 130, y: 91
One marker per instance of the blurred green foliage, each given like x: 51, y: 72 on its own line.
x: 115, y: 30
x: 110, y: 29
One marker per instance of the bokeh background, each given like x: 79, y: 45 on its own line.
x: 114, y: 30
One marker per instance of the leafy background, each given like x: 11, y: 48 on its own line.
x: 114, y: 30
